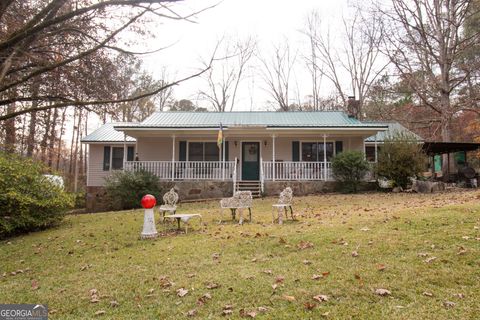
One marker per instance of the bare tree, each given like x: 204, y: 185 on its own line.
x: 227, y: 71
x: 59, y: 36
x: 277, y: 73
x: 312, y: 61
x: 426, y: 43
x: 360, y: 57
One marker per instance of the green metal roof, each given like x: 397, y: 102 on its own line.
x: 393, y: 129
x: 107, y: 133
x: 173, y: 120
x: 245, y: 118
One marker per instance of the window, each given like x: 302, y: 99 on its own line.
x: 113, y: 157
x: 313, y: 151
x: 203, y: 151
x: 117, y: 158
x: 370, y: 153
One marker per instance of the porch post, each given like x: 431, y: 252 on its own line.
x: 223, y: 158
x: 273, y: 157
x: 376, y: 152
x: 124, y: 150
x: 325, y: 157
x: 173, y: 157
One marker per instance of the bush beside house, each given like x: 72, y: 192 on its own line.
x: 349, y: 168
x: 400, y: 159
x: 125, y: 189
x: 28, y: 200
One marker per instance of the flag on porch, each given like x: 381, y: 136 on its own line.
x: 220, y: 137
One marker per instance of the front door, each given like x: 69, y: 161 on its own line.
x: 250, y: 160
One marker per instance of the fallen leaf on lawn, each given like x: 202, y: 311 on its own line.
x: 304, y: 245
x: 459, y: 295
x: 289, y: 298
x: 449, y: 304
x: 354, y: 254
x: 461, y: 250
x: 383, y: 292
x: 254, y: 260
x: 317, y: 277
x: 381, y: 267
x: 427, y: 294
x: 279, y: 279
x: 428, y: 260
x: 422, y: 254
x: 325, y: 314
x: 262, y: 309
x: 34, y: 284
x: 94, y: 299
x: 85, y: 267
x: 227, y: 312
x: 274, y: 286
x: 93, y: 291
x: 307, y: 262
x: 326, y: 273
x: 151, y: 291
x: 191, y: 313
x: 182, y: 292
x: 203, y: 299
x: 191, y: 275
x: 309, y: 305
x: 114, y: 304
x: 365, y: 229
x: 100, y: 312
x: 212, y: 285
x: 247, y: 314
x: 320, y: 298
x: 267, y: 271
x: 216, y: 256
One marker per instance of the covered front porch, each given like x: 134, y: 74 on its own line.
x: 245, y: 154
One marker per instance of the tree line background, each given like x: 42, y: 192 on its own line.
x: 65, y: 63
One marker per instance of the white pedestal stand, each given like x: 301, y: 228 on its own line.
x: 149, y: 230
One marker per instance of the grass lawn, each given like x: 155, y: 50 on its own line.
x: 423, y: 249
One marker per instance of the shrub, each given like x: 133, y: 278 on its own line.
x: 400, y: 158
x: 349, y: 168
x: 125, y: 189
x: 28, y: 200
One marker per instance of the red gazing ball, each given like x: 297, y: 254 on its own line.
x: 148, y: 201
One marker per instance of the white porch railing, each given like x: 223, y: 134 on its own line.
x: 185, y: 170
x: 296, y: 170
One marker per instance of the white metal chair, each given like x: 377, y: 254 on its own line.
x: 240, y: 200
x: 170, y: 200
x: 285, y: 201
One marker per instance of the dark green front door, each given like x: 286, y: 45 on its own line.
x: 250, y: 160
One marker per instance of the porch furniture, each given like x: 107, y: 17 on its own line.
x: 240, y: 200
x: 184, y: 218
x: 284, y: 202
x: 170, y: 200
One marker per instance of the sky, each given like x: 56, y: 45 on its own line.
x: 269, y: 21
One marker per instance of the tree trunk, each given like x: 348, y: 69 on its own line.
x: 62, y: 129
x: 10, y: 134
x: 31, y: 134
x: 52, y: 138
x: 43, y: 143
x: 70, y: 167
x: 445, y: 130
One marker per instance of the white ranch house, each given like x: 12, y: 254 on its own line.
x: 262, y: 151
